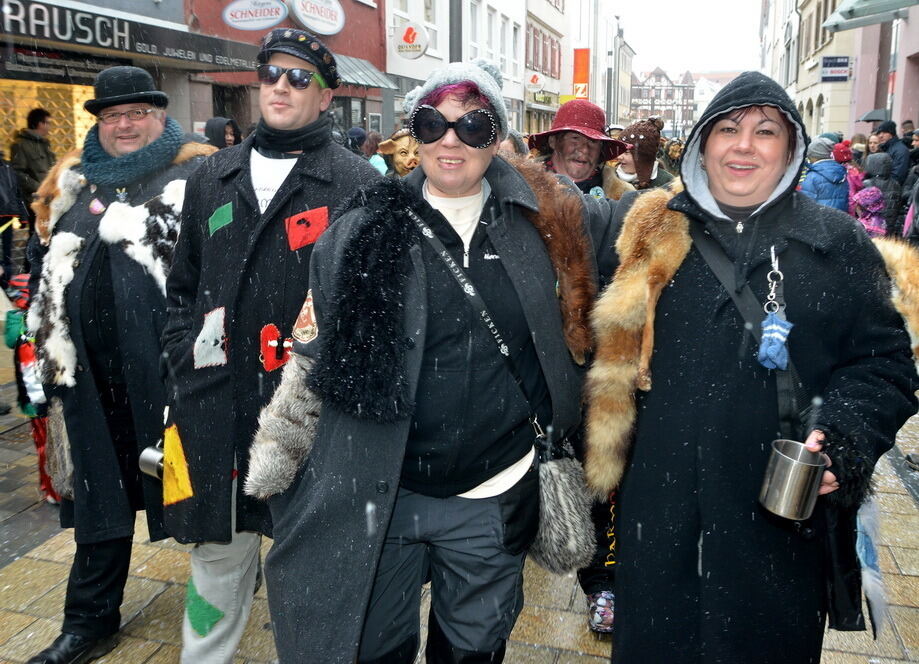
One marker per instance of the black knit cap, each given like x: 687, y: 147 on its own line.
x: 305, y: 46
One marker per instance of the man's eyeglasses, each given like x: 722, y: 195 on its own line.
x: 134, y: 115
x: 298, y: 77
x: 477, y: 129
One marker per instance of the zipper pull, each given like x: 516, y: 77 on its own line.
x: 739, y: 227
x: 465, y: 258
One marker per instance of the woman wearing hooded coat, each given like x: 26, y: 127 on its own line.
x: 681, y: 414
x: 398, y: 447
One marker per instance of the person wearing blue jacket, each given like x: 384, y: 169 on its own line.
x: 824, y: 178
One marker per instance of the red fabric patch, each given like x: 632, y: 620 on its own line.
x: 306, y: 227
x: 270, y: 338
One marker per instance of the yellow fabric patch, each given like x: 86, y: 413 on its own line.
x: 176, y: 482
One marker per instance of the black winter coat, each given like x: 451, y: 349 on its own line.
x: 101, y: 508
x: 878, y: 174
x: 704, y: 573
x: 238, y: 282
x: 330, y: 524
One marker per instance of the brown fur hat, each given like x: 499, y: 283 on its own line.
x: 644, y: 136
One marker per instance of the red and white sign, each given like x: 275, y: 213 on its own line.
x: 535, y: 82
x: 254, y: 14
x: 324, y: 17
x: 411, y: 41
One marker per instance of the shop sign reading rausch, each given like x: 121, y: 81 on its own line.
x: 254, y: 14
x: 324, y: 17
x: 413, y: 41
x: 31, y: 21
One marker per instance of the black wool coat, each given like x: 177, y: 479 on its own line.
x: 702, y: 567
x: 101, y: 508
x: 329, y: 526
x: 246, y: 275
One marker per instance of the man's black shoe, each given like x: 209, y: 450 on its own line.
x: 74, y: 649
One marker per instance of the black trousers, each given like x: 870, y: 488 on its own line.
x: 96, y: 587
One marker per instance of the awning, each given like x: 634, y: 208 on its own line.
x: 357, y: 71
x: 859, y: 13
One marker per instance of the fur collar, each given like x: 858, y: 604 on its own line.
x: 64, y: 182
x: 147, y: 233
x: 369, y: 341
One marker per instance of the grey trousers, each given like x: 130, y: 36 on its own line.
x: 471, y: 550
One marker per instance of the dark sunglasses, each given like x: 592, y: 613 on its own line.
x: 298, y: 78
x: 477, y: 129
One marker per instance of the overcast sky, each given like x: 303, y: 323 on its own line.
x: 698, y: 35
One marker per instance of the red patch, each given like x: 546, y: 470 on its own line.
x: 269, y: 340
x: 306, y: 227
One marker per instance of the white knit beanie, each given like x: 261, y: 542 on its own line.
x: 485, y: 75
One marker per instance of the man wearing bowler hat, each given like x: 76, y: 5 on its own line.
x: 240, y: 276
x: 577, y: 146
x: 106, y: 225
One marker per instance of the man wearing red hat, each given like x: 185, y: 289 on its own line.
x: 577, y: 146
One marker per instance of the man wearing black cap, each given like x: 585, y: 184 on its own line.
x: 239, y: 279
x: 106, y: 225
x: 899, y: 153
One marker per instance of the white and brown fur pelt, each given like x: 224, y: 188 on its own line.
x: 651, y: 247
x: 146, y: 232
x: 287, y: 425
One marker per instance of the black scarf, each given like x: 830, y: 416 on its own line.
x: 314, y: 135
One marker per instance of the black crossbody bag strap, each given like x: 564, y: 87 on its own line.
x: 790, y: 416
x: 481, y: 310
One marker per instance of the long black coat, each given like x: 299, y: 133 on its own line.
x: 330, y: 525
x: 701, y: 566
x: 101, y: 508
x: 251, y: 269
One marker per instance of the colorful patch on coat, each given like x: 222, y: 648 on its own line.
x: 306, y: 329
x: 269, y: 342
x: 306, y: 227
x: 220, y: 218
x: 211, y: 343
x: 176, y: 480
x: 202, y: 615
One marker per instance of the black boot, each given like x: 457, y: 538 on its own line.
x: 74, y: 649
x: 440, y: 651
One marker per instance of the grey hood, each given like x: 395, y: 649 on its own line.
x: 878, y: 164
x: 749, y: 89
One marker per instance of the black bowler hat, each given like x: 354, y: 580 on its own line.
x: 305, y: 46
x: 125, y: 85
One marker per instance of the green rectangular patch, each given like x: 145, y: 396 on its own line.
x: 221, y: 217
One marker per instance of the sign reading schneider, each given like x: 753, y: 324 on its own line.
x: 39, y: 20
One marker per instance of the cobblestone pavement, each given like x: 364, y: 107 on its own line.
x: 35, y: 557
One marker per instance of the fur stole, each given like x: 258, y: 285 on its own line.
x: 366, y: 344
x: 651, y: 247
x: 613, y: 186
x: 147, y: 233
x: 367, y: 300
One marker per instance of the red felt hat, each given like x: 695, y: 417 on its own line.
x: 588, y: 120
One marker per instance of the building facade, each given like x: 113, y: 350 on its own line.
x: 489, y: 29
x: 824, y: 81
x: 548, y: 62
x: 670, y: 98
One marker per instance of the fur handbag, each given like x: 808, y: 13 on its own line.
x: 565, y: 539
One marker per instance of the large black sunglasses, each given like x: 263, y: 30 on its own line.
x: 477, y: 129
x: 297, y: 77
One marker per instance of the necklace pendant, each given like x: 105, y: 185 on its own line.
x: 739, y: 227
x: 122, y: 195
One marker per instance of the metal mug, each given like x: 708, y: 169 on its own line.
x: 792, y: 480
x: 151, y: 461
